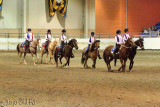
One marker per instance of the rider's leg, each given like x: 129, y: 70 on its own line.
x: 26, y: 44
x: 87, y: 49
x: 61, y: 48
x: 46, y: 44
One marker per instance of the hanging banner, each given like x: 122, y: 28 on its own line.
x: 63, y: 7
x: 1, y: 2
x: 54, y: 5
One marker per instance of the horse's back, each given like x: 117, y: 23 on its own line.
x: 108, y: 49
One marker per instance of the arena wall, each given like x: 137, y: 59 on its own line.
x: 111, y: 15
x: 38, y: 18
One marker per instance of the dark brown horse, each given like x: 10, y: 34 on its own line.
x: 93, y: 53
x: 133, y: 51
x: 123, y: 54
x: 67, y: 52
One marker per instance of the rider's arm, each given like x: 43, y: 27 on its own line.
x: 62, y: 38
x: 89, y: 42
x: 25, y: 36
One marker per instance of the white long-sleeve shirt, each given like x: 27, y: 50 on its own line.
x: 125, y: 37
x: 49, y: 37
x: 29, y: 36
x: 91, y: 40
x: 119, y: 39
x: 64, y: 38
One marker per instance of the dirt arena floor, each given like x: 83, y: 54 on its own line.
x: 44, y: 85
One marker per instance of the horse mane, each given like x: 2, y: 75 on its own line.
x: 93, y: 45
x: 71, y: 41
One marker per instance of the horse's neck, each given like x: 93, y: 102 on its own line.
x: 126, y: 44
x: 52, y: 45
x: 34, y: 43
x: 137, y: 43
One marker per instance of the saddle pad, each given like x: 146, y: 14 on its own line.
x: 22, y: 45
x: 43, y: 45
x: 86, y: 49
x: 113, y: 49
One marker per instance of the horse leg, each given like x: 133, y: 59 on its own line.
x: 66, y: 61
x: 94, y: 62
x: 124, y: 65
x: 60, y: 60
x: 21, y: 58
x: 37, y: 57
x: 85, y: 62
x: 51, y: 57
x: 131, y: 65
x: 42, y: 56
x: 110, y: 63
x: 24, y: 58
x: 121, y: 60
x: 46, y: 58
x: 33, y: 59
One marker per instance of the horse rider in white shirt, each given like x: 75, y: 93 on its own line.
x: 29, y: 38
x: 48, y: 40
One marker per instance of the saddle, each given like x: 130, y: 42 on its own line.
x: 23, y: 45
x: 113, y: 49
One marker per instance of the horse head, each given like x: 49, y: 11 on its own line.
x: 39, y: 43
x: 141, y: 44
x: 73, y: 43
x: 130, y: 43
x: 95, y: 45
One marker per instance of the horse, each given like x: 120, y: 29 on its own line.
x: 93, y: 53
x: 123, y: 54
x: 67, y: 52
x: 133, y: 51
x: 32, y: 50
x: 51, y: 49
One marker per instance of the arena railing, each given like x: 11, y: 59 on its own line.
x: 82, y: 35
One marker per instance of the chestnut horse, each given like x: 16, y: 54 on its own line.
x: 67, y: 52
x: 123, y: 54
x: 51, y: 49
x: 93, y: 53
x: 32, y: 50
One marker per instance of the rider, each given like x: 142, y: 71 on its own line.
x: 119, y: 41
x: 29, y: 38
x: 92, y: 39
x: 63, y: 41
x: 48, y: 39
x: 126, y: 35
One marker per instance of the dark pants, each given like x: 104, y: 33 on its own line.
x: 46, y: 44
x: 117, y: 48
x: 26, y: 44
x: 87, y: 49
x: 61, y: 48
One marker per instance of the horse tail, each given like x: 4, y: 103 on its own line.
x: 82, y: 59
x: 55, y: 54
x: 104, y: 56
x: 115, y: 61
x: 18, y: 50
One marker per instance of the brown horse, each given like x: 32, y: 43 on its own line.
x: 93, y: 53
x: 133, y: 51
x: 32, y: 50
x: 51, y: 49
x: 123, y: 54
x: 67, y: 52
